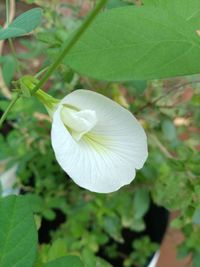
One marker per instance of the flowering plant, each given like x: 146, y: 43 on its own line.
x: 96, y: 135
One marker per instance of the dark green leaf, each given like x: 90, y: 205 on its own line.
x: 140, y: 43
x: 112, y: 227
x: 68, y: 261
x: 18, y: 233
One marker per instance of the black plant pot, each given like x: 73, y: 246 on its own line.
x: 156, y: 221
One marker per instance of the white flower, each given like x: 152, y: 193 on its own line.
x: 97, y: 142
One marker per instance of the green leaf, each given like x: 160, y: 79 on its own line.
x: 23, y: 24
x: 141, y: 203
x: 68, y: 261
x: 8, y: 68
x: 18, y: 233
x: 188, y: 10
x: 102, y: 263
x: 152, y: 2
x: 169, y: 130
x: 88, y: 257
x: 116, y: 3
x: 196, y: 259
x: 140, y: 43
x: 138, y: 225
x: 112, y: 227
x: 57, y: 249
x: 196, y: 216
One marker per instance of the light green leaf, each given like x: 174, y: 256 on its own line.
x: 23, y: 24
x: 18, y: 235
x: 138, y: 225
x: 68, y: 261
x: 189, y: 10
x: 88, y: 257
x: 140, y: 43
x: 57, y: 249
x: 102, y: 263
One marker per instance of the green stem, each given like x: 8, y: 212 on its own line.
x: 17, y: 96
x: 11, y: 104
x: 71, y: 43
x: 37, y: 75
x: 7, y: 12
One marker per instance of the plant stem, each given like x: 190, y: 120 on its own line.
x: 11, y: 104
x: 7, y: 12
x: 17, y: 96
x: 3, y: 87
x: 12, y: 48
x: 37, y: 75
x: 71, y: 43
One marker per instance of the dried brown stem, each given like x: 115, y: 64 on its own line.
x: 176, y: 87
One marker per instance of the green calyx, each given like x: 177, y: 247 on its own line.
x: 27, y: 84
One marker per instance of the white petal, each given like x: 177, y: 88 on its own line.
x: 78, y: 122
x: 104, y: 159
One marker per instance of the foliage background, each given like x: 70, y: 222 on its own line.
x: 84, y: 223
